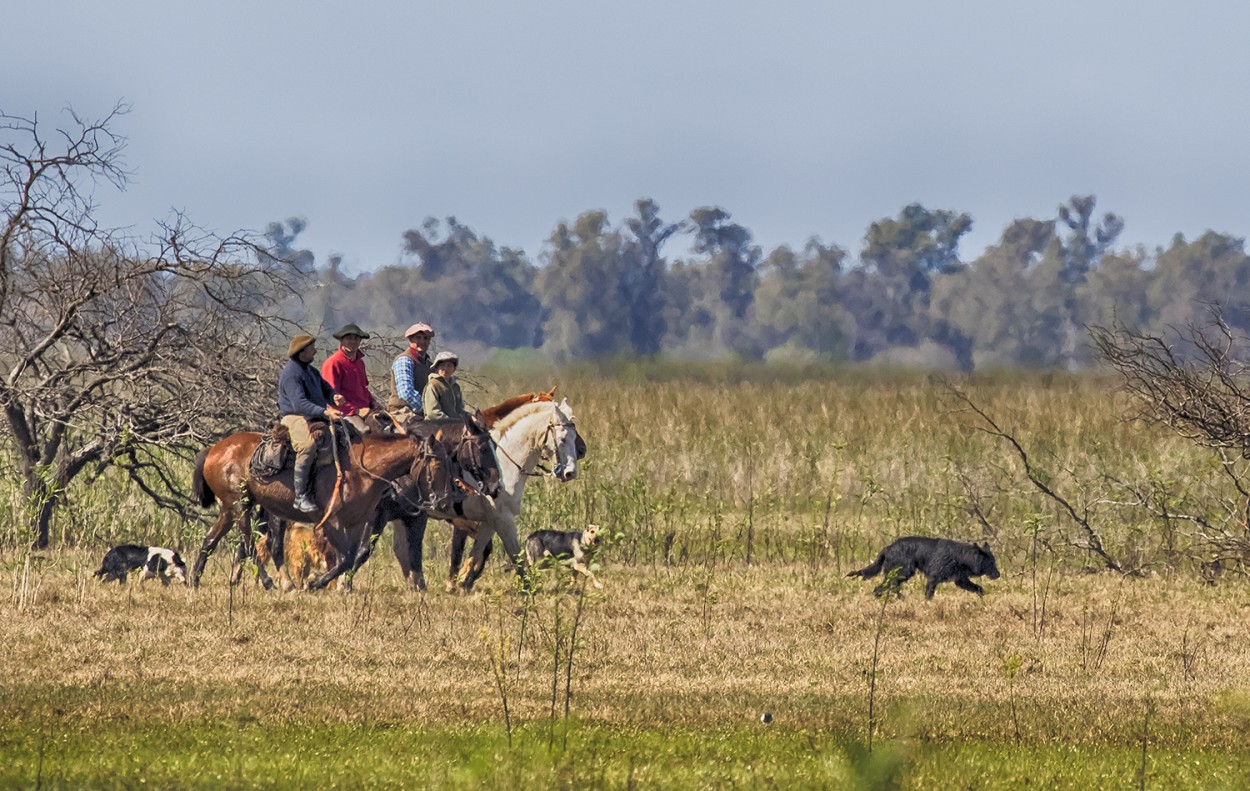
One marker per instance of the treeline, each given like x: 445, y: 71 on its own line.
x: 906, y: 296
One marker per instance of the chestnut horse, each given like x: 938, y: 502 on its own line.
x: 373, y: 465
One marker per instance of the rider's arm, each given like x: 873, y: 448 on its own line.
x: 405, y: 388
x: 292, y: 399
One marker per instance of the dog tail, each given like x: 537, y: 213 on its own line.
x: 869, y: 572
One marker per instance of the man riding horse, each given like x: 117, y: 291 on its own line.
x: 304, y: 396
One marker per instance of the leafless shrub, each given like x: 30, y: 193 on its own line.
x: 117, y: 351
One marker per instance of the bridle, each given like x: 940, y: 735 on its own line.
x: 552, y: 448
x: 477, y: 465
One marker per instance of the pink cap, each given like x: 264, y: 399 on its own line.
x: 418, y: 327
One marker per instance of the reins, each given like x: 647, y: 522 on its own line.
x: 338, y: 475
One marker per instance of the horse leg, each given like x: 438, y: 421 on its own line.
x: 247, y: 551
x: 459, y: 539
x: 224, y: 521
x: 362, y: 554
x: 475, y: 564
x: 346, y: 551
x: 408, y: 534
x: 506, y: 528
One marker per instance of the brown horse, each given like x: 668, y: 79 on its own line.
x: 374, y: 465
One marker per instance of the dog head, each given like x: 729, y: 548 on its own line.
x: 166, y: 563
x: 590, y: 536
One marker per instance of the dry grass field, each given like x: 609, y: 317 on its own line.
x: 737, y: 508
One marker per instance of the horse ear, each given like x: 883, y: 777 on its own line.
x: 552, y: 392
x: 986, y: 546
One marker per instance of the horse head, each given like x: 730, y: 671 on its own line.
x: 561, y: 441
x: 476, y: 453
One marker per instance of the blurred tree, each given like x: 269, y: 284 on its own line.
x: 1190, y: 277
x: 902, y: 257
x: 587, y: 314
x: 644, y: 276
x: 992, y: 302
x: 1079, y: 253
x: 729, y: 278
x: 796, y: 303
x: 466, y: 287
x: 1117, y: 292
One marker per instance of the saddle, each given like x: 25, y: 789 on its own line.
x: 274, y: 453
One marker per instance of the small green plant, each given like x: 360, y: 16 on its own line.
x: 497, y: 650
x: 1095, y: 638
x: 1011, y: 669
x: 890, y: 584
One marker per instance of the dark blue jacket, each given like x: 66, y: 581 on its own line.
x: 302, y: 391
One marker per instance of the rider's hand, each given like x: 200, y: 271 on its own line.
x: 339, y: 399
x: 333, y: 413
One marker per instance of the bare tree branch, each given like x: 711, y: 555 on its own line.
x: 988, y: 425
x: 116, y: 350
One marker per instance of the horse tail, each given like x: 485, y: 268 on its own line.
x: 202, y: 492
x: 869, y: 572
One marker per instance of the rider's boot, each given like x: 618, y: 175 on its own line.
x: 305, y: 481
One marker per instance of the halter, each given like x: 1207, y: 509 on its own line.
x: 549, y: 432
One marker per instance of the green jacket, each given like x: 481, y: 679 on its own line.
x: 442, y: 398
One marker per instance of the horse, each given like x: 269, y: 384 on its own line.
x: 352, y: 489
x: 529, y: 433
x: 408, y: 526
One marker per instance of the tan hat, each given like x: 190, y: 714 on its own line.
x: 418, y: 327
x: 445, y: 357
x: 298, y: 344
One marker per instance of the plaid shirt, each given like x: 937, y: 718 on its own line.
x: 405, y: 387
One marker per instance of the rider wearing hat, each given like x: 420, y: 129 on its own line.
x: 304, y: 396
x: 442, y: 397
x: 409, y: 372
x: 345, y: 372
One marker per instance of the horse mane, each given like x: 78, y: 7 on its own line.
x: 518, y: 414
x: 493, y: 414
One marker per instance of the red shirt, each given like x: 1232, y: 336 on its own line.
x: 348, y: 378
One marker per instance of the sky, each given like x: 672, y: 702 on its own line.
x: 801, y: 119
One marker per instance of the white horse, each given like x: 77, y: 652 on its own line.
x: 531, y: 432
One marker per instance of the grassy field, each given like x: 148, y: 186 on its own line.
x: 738, y: 508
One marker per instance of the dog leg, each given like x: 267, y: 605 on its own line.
x: 581, y: 567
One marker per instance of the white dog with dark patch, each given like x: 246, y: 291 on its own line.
x: 579, y: 547
x: 156, y: 562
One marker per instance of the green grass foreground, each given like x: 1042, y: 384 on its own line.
x: 233, y: 754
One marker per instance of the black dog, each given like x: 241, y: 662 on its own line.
x: 156, y: 562
x: 941, y: 560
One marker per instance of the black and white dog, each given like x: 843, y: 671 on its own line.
x: 560, y: 545
x: 156, y: 562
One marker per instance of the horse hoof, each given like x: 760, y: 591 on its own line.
x: 418, y: 583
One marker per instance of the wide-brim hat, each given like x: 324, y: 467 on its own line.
x: 350, y: 329
x: 418, y: 327
x: 298, y: 344
x: 445, y: 357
